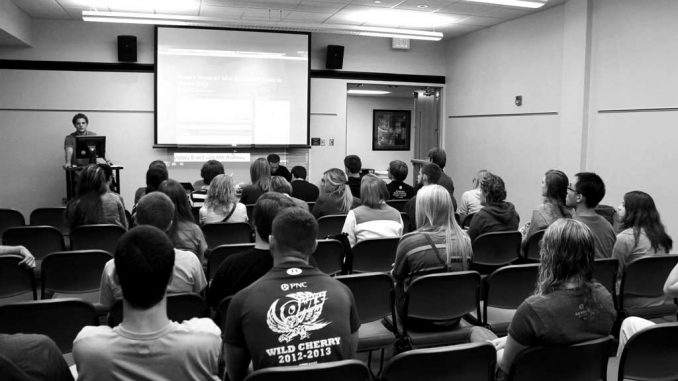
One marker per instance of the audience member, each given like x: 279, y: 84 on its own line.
x: 335, y: 196
x: 497, y: 214
x: 280, y: 185
x: 260, y: 175
x: 470, y: 200
x: 184, y: 232
x: 567, y: 307
x: 222, y: 204
x: 147, y: 345
x: 584, y: 196
x: 353, y: 167
x: 20, y: 250
x: 110, y: 181
x: 374, y: 218
x: 643, y: 235
x: 277, y: 169
x: 94, y: 204
x: 554, y: 191
x: 240, y: 270
x: 209, y: 170
x: 157, y: 210
x: 156, y: 174
x: 438, y: 156
x: 428, y: 174
x: 397, y: 188
x: 295, y: 314
x: 301, y: 188
x: 32, y: 357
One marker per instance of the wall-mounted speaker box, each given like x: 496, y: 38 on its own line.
x: 127, y: 48
x: 335, y: 57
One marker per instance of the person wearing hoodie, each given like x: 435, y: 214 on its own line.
x: 496, y: 215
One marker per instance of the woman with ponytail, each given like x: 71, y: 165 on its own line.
x: 554, y: 190
x: 335, y: 195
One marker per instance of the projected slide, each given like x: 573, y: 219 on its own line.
x: 225, y: 87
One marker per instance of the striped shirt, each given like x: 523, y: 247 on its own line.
x: 364, y: 223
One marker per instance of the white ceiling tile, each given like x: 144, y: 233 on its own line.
x: 221, y: 12
x: 465, y: 8
x: 505, y: 12
x: 42, y: 9
x: 482, y: 21
x: 274, y: 4
x: 380, y: 3
x: 308, y: 17
x: 264, y: 14
x: 320, y: 6
x: 226, y: 3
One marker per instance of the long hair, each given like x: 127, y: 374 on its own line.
x: 260, y: 174
x: 373, y: 191
x: 434, y: 210
x: 182, y: 207
x: 281, y: 185
x: 567, y: 255
x: 335, y: 184
x: 221, y: 193
x: 86, y: 207
x: 641, y: 214
x: 480, y: 176
x: 556, y: 183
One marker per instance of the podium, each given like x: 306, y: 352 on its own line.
x: 72, y: 180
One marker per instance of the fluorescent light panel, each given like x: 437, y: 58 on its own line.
x: 367, y: 92
x: 514, y: 3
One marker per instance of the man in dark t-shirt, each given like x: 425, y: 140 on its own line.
x: 295, y: 314
x: 276, y: 168
x: 397, y: 189
x: 301, y: 188
x: 353, y: 165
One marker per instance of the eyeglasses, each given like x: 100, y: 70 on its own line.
x: 570, y: 188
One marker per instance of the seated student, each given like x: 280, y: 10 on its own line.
x: 586, y: 193
x: 301, y: 188
x: 184, y: 232
x: 335, y: 196
x: 208, y: 172
x: 94, y: 203
x: 438, y: 156
x: 428, y: 174
x: 470, y: 200
x: 156, y: 174
x: 374, y: 218
x: 147, y: 345
x: 32, y: 357
x: 567, y: 307
x: 240, y: 270
x: 294, y: 305
x: 643, y: 235
x: 156, y: 209
x: 277, y: 169
x: 496, y: 215
x: 20, y: 250
x: 280, y: 185
x: 631, y: 325
x: 353, y: 165
x: 554, y: 190
x: 221, y: 204
x: 397, y: 189
x: 260, y: 175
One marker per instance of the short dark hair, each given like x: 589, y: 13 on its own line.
x: 267, y: 207
x: 80, y: 116
x: 273, y: 158
x: 432, y: 172
x: 155, y: 175
x: 210, y: 170
x: 144, y: 261
x: 398, y: 170
x: 493, y: 187
x: 591, y: 186
x: 155, y: 209
x: 353, y: 163
x: 296, y: 229
x: 438, y: 156
x: 299, y: 172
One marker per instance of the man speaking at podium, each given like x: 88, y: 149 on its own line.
x: 80, y: 123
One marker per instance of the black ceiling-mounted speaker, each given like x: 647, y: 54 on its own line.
x: 335, y: 57
x: 127, y: 48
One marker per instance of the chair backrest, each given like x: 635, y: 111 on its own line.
x: 223, y: 233
x: 467, y: 220
x: 15, y: 279
x: 373, y: 255
x: 329, y: 256
x: 96, y: 237
x: 73, y: 271
x: 585, y: 361
x: 60, y: 319
x: 330, y: 225
x: 39, y: 240
x: 399, y: 205
x: 406, y: 222
x: 10, y: 218
x: 651, y: 354
x: 250, y: 211
x: 220, y: 253
x: 605, y: 273
x: 52, y: 217
x: 311, y: 204
x: 443, y: 296
x: 509, y: 286
x: 372, y: 292
x: 180, y: 307
x: 646, y: 276
x: 496, y: 249
x: 344, y: 370
x: 533, y: 245
x: 467, y: 362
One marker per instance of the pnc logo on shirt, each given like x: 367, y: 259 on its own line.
x: 298, y: 315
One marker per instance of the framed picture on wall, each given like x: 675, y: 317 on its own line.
x: 391, y: 130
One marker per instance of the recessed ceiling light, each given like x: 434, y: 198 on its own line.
x: 402, y: 18
x: 377, y: 2
x: 515, y: 3
x: 422, y: 6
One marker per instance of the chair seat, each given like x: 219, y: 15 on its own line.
x: 499, y: 319
x: 374, y: 335
x: 461, y: 333
x: 653, y: 312
x: 23, y: 297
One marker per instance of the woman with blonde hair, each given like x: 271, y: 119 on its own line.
x: 374, y: 218
x: 470, y: 200
x: 335, y: 194
x: 221, y: 204
x: 260, y: 175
